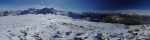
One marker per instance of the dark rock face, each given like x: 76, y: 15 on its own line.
x: 57, y: 36
x: 68, y: 33
x: 30, y: 11
x: 5, y: 13
x: 78, y: 38
x: 24, y: 12
x: 99, y: 37
x: 46, y: 11
x: 78, y: 34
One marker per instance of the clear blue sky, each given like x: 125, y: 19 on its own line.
x: 73, y: 5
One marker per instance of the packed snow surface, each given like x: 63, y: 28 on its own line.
x: 58, y: 27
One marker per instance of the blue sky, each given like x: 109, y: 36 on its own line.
x: 23, y: 4
x: 73, y: 5
x: 77, y: 5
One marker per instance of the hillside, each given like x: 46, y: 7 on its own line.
x: 59, y: 25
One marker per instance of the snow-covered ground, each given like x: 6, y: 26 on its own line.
x: 58, y: 27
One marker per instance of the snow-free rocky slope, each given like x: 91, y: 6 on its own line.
x: 62, y: 27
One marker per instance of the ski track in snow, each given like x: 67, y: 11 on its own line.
x: 58, y: 27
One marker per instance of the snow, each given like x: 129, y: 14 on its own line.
x: 58, y: 27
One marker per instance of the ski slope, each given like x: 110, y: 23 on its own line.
x: 58, y: 27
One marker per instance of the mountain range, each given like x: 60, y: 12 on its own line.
x: 108, y: 17
x: 52, y: 24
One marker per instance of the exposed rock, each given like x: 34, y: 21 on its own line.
x: 68, y: 33
x: 76, y: 38
x: 78, y: 34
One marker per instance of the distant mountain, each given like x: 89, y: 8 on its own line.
x: 29, y: 11
x: 127, y: 18
x: 112, y: 17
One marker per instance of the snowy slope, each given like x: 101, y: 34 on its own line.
x: 58, y: 27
